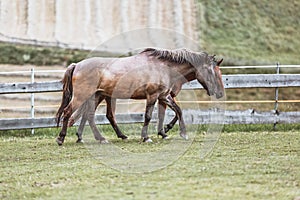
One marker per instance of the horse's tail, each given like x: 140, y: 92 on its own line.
x: 67, y: 91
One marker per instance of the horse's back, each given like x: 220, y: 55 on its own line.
x: 92, y: 63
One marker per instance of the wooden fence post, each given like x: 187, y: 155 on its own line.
x: 32, y: 102
x: 276, y: 96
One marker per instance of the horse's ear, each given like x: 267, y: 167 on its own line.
x: 220, y: 61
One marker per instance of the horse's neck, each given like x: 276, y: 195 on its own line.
x: 188, y: 73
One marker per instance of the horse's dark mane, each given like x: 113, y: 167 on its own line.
x: 180, y: 56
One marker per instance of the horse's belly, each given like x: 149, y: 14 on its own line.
x: 133, y: 92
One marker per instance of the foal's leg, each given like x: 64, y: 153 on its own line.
x: 171, y: 124
x: 93, y: 103
x: 81, y: 128
x: 148, y: 116
x: 97, y: 135
x: 171, y: 103
x: 90, y: 107
x: 161, y: 117
x: 110, y: 115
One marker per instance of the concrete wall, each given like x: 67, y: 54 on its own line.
x: 88, y: 23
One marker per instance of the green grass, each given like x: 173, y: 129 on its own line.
x: 36, y: 55
x: 243, y: 165
x: 251, y: 32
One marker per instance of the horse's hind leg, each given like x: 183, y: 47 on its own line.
x: 110, y: 115
x: 67, y: 114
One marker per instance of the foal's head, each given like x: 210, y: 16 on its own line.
x: 210, y: 77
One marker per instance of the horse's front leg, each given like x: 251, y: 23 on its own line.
x: 148, y: 116
x: 110, y: 115
x: 161, y: 117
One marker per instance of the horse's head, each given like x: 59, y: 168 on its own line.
x: 210, y: 77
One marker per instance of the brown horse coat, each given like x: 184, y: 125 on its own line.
x: 151, y: 74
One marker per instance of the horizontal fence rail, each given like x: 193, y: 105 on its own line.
x: 254, y: 81
x: 37, y: 87
x: 191, y: 116
x: 230, y: 82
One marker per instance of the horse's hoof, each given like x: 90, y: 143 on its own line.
x: 184, y: 136
x: 163, y: 135
x: 123, y: 137
x: 147, y: 140
x: 104, y: 141
x: 59, y: 141
x: 79, y: 141
x: 165, y: 138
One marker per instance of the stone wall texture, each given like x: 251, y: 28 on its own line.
x: 88, y: 23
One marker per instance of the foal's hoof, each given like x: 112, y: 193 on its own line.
x: 147, y: 140
x: 59, y: 141
x: 184, y: 136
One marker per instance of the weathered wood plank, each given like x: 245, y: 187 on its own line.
x: 254, y: 81
x: 47, y: 122
x: 261, y: 80
x: 230, y: 82
x: 190, y: 116
x: 37, y: 87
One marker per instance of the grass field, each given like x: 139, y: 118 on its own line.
x: 251, y: 32
x: 247, y: 162
x: 243, y: 165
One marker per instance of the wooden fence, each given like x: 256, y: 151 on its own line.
x: 191, y: 116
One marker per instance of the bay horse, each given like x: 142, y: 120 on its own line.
x: 152, y: 75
